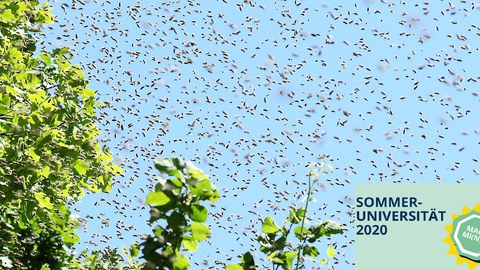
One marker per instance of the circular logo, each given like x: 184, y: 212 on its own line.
x: 466, y: 235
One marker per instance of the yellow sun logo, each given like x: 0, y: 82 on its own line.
x: 464, y: 236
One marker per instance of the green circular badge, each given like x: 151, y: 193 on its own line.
x: 466, y: 235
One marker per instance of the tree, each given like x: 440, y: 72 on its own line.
x: 48, y: 147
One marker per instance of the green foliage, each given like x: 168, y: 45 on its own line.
x: 48, y: 147
x: 107, y: 259
x: 176, y: 203
x: 248, y: 263
x: 269, y: 226
x: 274, y: 240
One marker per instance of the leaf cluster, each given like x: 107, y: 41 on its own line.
x: 281, y: 252
x: 176, y: 203
x: 274, y: 241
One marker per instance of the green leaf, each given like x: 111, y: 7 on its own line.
x: 310, y: 251
x: 175, y: 182
x: 45, y: 171
x: 44, y: 140
x: 157, y: 198
x: 81, y: 166
x: 330, y: 252
x: 289, y: 256
x: 180, y: 262
x: 48, y: 107
x: 70, y: 237
x: 198, y: 213
x: 202, y: 188
x: 189, y: 243
x: 7, y: 16
x: 234, y: 266
x: 133, y: 250
x: 32, y: 153
x: 177, y: 222
x: 197, y: 174
x: 43, y: 200
x: 105, y: 182
x: 46, y: 58
x: 325, y: 228
x: 87, y: 93
x: 301, y: 213
x: 333, y: 227
x: 293, y: 218
x: 37, y: 97
x: 116, y: 170
x: 248, y: 260
x: 199, y: 231
x: 21, y: 224
x: 269, y: 226
x: 266, y: 243
x: 301, y: 232
x: 215, y: 195
x: 280, y: 243
x: 276, y: 258
x: 5, y: 102
x: 155, y: 214
x: 205, y: 190
x: 169, y: 166
x: 60, y: 51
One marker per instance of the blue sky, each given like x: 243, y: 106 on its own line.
x: 385, y: 90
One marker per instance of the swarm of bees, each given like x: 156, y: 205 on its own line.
x: 252, y: 91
